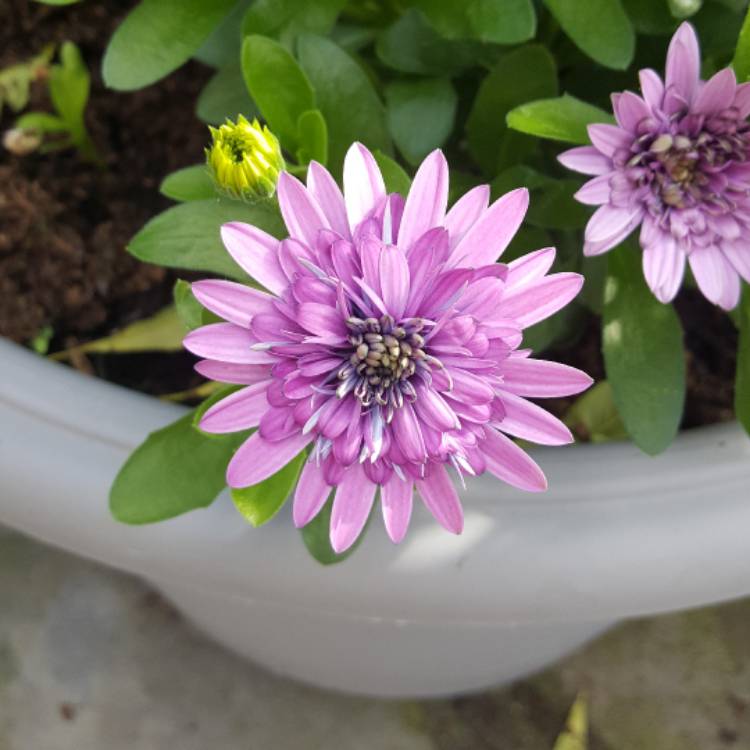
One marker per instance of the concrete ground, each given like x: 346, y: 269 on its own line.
x: 92, y: 660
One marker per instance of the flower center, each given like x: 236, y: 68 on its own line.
x: 384, y: 357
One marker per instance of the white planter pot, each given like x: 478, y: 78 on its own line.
x: 618, y: 534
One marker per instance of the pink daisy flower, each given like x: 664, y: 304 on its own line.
x: 677, y: 164
x: 387, y: 344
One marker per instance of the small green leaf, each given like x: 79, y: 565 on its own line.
x: 278, y: 86
x: 157, y: 37
x: 187, y: 236
x: 554, y: 206
x: 594, y: 416
x: 684, y: 8
x: 41, y: 122
x: 69, y: 85
x: 741, y: 62
x: 562, y: 119
x: 316, y: 536
x: 643, y: 353
x: 313, y: 137
x: 599, y: 28
x: 395, y: 178
x: 174, y: 471
x: 161, y: 332
x: 346, y: 98
x: 742, y: 380
x: 420, y: 115
x: 524, y: 74
x: 189, y: 310
x: 189, y: 184
x: 225, y: 96
x: 41, y: 340
x: 261, y: 502
x: 287, y: 19
x: 575, y: 736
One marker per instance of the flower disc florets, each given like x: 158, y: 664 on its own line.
x: 245, y: 159
x: 678, y: 164
x: 388, y: 345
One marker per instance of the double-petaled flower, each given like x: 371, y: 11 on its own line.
x: 677, y: 164
x: 387, y: 345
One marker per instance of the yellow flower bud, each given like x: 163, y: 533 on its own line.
x: 245, y: 159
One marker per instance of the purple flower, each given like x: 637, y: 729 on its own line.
x: 677, y: 164
x: 388, y: 345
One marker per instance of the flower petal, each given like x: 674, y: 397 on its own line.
x: 629, y: 110
x: 405, y: 428
x: 585, y: 159
x: 310, y: 495
x: 540, y: 299
x: 608, y: 226
x: 396, y: 500
x: 255, y: 252
x: 427, y: 200
x: 257, y: 459
x: 717, y: 94
x: 738, y: 254
x: 716, y: 277
x: 321, y: 320
x: 539, y: 378
x: 394, y: 279
x: 227, y: 343
x: 224, y: 372
x: 323, y: 188
x: 528, y: 421
x: 234, y: 302
x: 465, y: 212
x: 529, y: 267
x: 595, y: 192
x: 302, y: 214
x: 433, y: 409
x: 238, y: 411
x: 683, y: 62
x: 511, y: 464
x: 651, y: 87
x: 485, y: 241
x: 609, y: 138
x: 364, y: 188
x: 440, y: 497
x: 351, y: 507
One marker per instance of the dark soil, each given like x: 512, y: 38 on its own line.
x: 65, y: 222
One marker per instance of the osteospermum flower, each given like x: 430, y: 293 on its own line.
x: 387, y: 344
x: 677, y: 164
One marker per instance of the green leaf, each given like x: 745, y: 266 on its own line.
x: 316, y: 536
x: 69, y: 85
x: 420, y: 115
x: 222, y: 46
x: 649, y: 17
x: 187, y: 236
x: 225, y: 96
x: 741, y: 62
x: 411, y: 45
x: 599, y: 28
x: 684, y: 8
x: 189, y: 184
x: 523, y: 74
x: 313, y: 137
x: 41, y: 122
x: 174, y: 471
x: 498, y: 21
x: 561, y: 328
x: 575, y: 736
x: 554, y: 206
x: 221, y: 392
x: 278, y: 86
x: 161, y: 332
x: 742, y: 380
x: 643, y: 353
x: 563, y: 119
x: 345, y: 96
x: 261, y: 502
x: 189, y: 310
x: 287, y: 19
x: 157, y: 37
x: 395, y: 178
x: 594, y: 416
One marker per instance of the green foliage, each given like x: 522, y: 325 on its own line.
x: 317, y: 540
x: 742, y: 379
x: 189, y: 310
x: 643, y: 354
x: 603, y: 31
x: 562, y: 119
x: 278, y: 86
x: 286, y: 19
x: 157, y: 37
x: 522, y: 75
x: 594, y: 416
x: 16, y: 80
x: 313, y: 137
x: 177, y: 469
x: 346, y: 98
x: 187, y: 236
x: 261, y: 502
x: 189, y: 184
x: 576, y: 733
x: 420, y: 115
x: 741, y: 62
x: 225, y: 96
x: 395, y: 178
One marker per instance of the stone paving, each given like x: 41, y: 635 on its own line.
x: 91, y: 659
